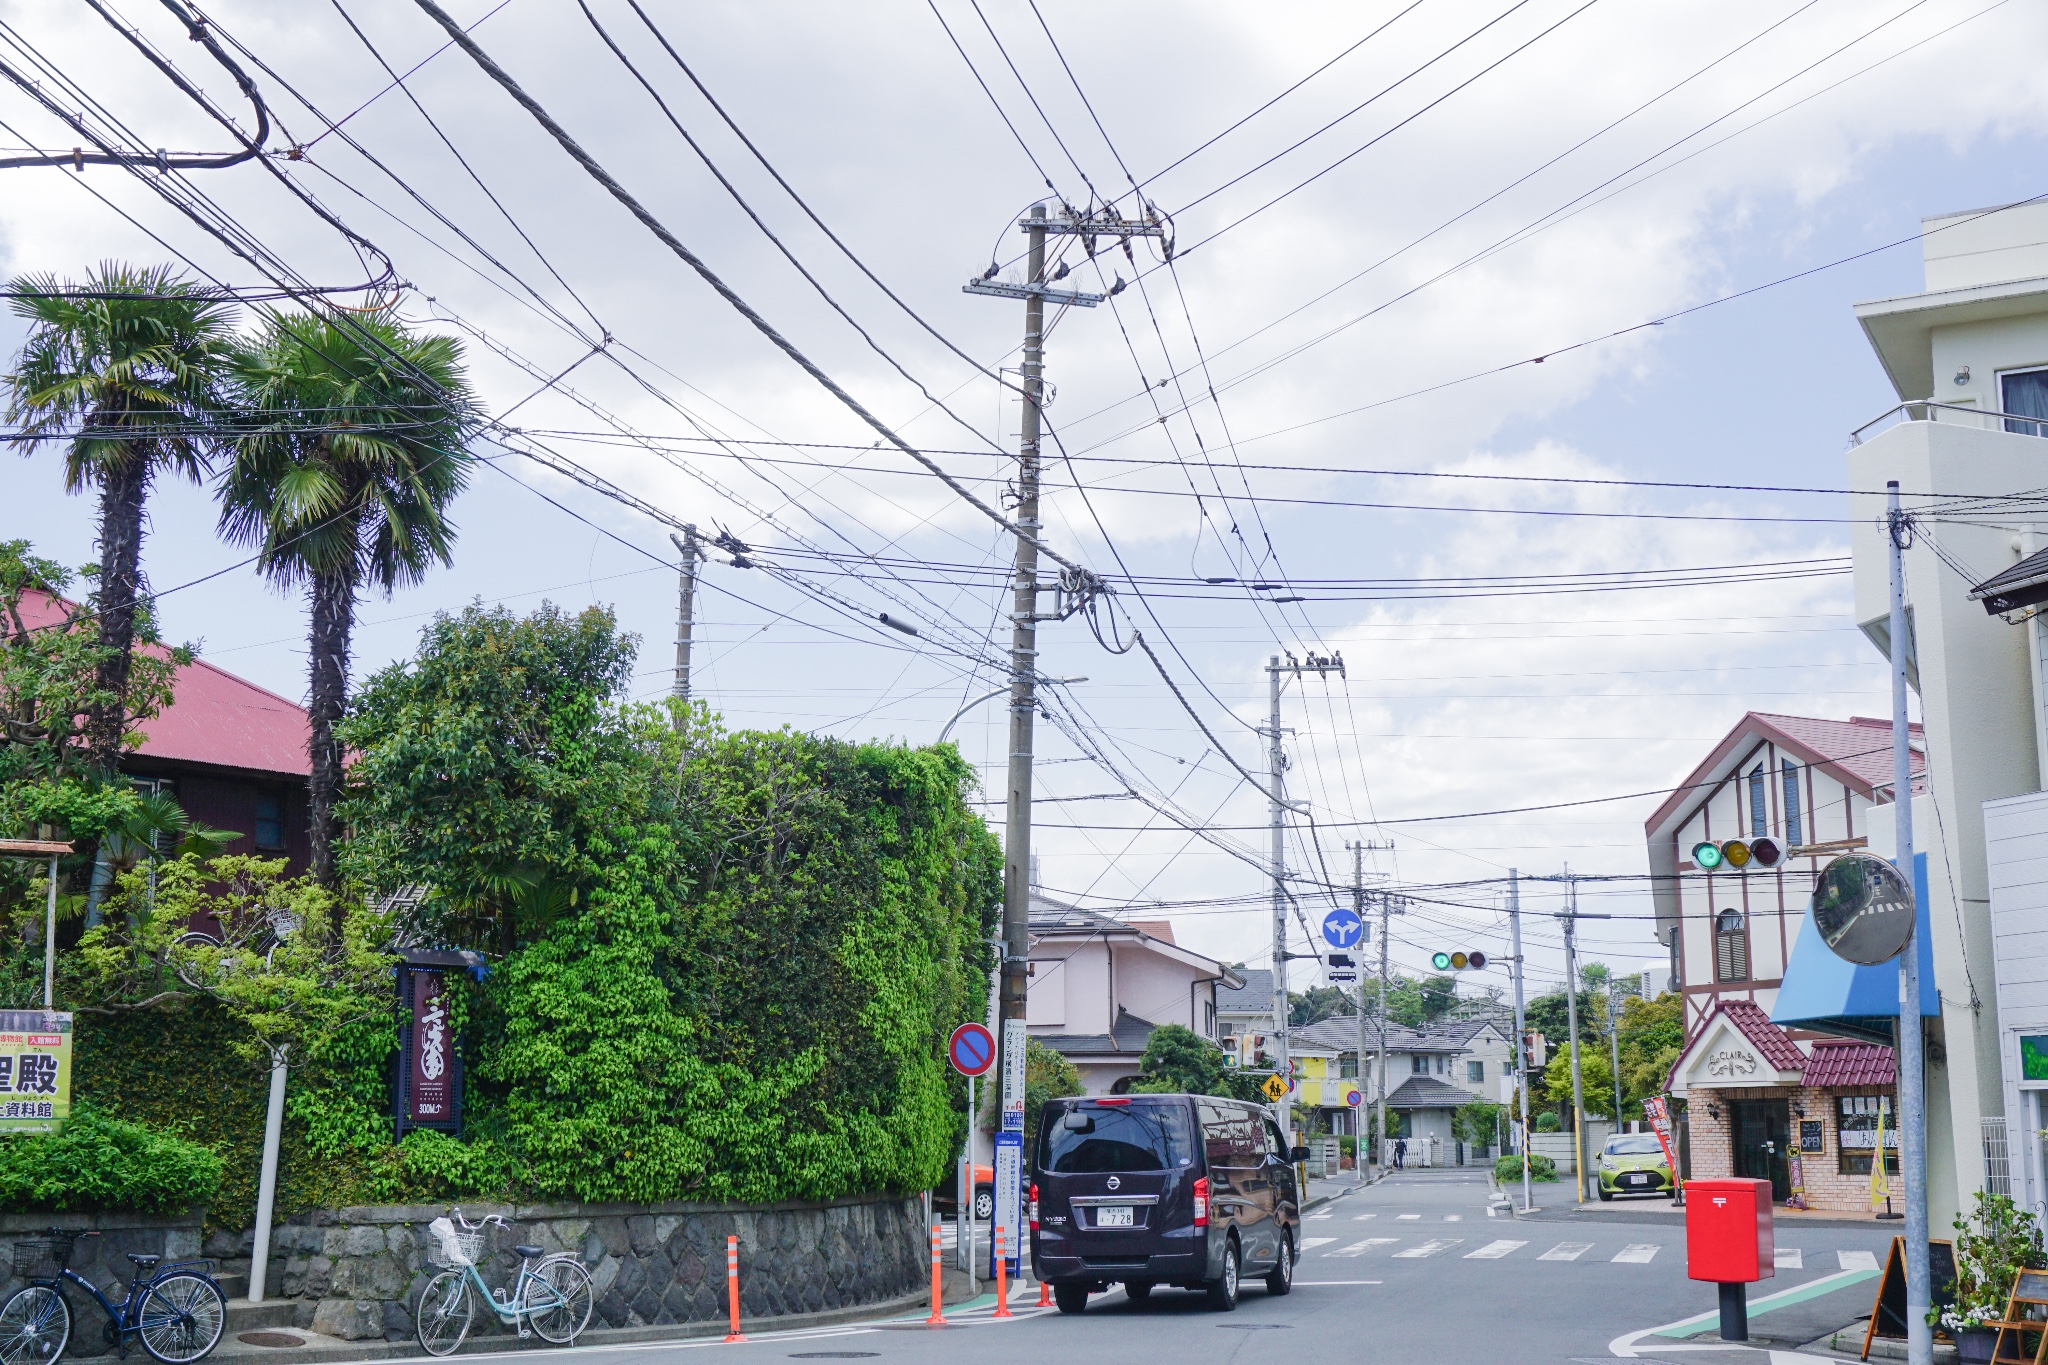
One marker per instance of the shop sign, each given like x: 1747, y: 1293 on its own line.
x: 35, y: 1070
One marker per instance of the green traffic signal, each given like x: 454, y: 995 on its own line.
x: 1706, y: 856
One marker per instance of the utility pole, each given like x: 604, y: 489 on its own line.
x: 1912, y: 1079
x: 1521, y: 1025
x: 1571, y: 996
x: 1024, y: 677
x: 1276, y: 806
x: 686, y: 614
x: 1364, y: 1110
x: 1380, y: 1066
x: 1614, y: 1047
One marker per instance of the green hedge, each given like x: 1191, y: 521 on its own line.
x: 96, y: 1162
x: 1509, y: 1168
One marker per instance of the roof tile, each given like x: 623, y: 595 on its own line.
x: 1840, y: 1062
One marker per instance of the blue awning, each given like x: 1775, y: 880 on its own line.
x: 1822, y: 992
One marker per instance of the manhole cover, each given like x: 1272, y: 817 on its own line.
x: 1256, y: 1326
x: 833, y: 1355
x: 269, y: 1339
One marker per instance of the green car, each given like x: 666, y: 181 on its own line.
x: 1633, y: 1163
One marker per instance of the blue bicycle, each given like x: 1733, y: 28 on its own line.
x: 178, y: 1311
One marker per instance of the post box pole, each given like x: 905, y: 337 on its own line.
x: 1735, y: 1312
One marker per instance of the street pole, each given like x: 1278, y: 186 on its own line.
x: 1379, y: 1069
x: 1571, y: 996
x: 1912, y: 1081
x: 266, y: 1179
x: 686, y: 614
x: 1521, y: 1026
x: 1614, y: 1047
x: 1364, y: 1110
x: 50, y: 942
x: 1276, y: 811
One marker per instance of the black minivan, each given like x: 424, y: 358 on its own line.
x: 1142, y: 1190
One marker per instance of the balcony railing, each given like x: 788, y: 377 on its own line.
x: 1926, y: 410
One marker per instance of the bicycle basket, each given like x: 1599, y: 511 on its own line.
x: 448, y: 1245
x: 42, y: 1258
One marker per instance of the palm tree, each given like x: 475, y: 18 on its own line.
x: 350, y: 444
x: 126, y: 370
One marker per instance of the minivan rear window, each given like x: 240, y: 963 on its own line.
x: 1132, y: 1137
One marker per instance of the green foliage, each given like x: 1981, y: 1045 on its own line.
x: 1476, y: 1123
x: 1509, y: 1168
x: 1993, y: 1243
x: 1547, y: 1121
x: 1047, y: 1076
x: 97, y: 1162
x: 1416, y: 1003
x: 1179, y: 1061
x: 1318, y: 1004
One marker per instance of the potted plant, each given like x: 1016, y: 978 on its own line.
x: 1993, y: 1244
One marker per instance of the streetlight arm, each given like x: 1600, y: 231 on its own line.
x: 965, y: 709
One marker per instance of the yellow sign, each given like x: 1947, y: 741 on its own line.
x: 35, y: 1070
x: 1274, y: 1088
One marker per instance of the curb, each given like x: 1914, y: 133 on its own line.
x: 321, y: 1350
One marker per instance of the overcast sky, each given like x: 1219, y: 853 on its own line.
x: 1485, y: 184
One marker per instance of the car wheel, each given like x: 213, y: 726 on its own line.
x: 1281, y: 1280
x: 1137, y: 1291
x: 1222, y: 1290
x: 1071, y: 1298
x: 984, y: 1204
x: 1606, y: 1194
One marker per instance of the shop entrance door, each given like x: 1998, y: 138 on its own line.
x: 1763, y: 1139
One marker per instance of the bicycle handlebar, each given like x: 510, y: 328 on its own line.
x: 467, y: 1226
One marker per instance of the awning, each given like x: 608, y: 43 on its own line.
x: 1822, y: 992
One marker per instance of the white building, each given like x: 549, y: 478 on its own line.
x: 1969, y: 360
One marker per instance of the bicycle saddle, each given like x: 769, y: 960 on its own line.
x: 142, y: 1260
x: 529, y: 1250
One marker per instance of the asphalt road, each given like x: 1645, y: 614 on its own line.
x: 1414, y: 1269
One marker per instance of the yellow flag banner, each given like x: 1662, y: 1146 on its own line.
x: 1880, y: 1180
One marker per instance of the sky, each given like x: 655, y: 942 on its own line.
x: 1382, y: 216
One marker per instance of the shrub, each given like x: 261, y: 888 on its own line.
x: 1547, y: 1122
x: 97, y: 1162
x: 1509, y: 1168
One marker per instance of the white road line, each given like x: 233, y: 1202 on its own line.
x: 1857, y: 1260
x: 1360, y: 1248
x: 1319, y: 1217
x: 1331, y: 1284
x: 1454, y: 1218
x: 1429, y: 1248
x: 1409, y: 1217
x: 1311, y: 1243
x: 1788, y: 1258
x: 1493, y: 1251
x: 1566, y: 1251
x: 1637, y: 1253
x: 1364, y: 1217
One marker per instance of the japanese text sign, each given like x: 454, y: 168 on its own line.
x: 35, y: 1070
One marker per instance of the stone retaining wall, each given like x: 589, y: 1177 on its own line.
x: 102, y: 1259
x: 357, y: 1272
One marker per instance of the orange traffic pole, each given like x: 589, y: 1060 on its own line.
x: 1044, y: 1294
x: 732, y: 1287
x: 1002, y: 1278
x: 938, y: 1317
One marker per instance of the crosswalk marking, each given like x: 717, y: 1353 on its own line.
x: 1360, y: 1248
x: 1311, y: 1243
x: 1638, y: 1253
x: 1788, y: 1258
x: 1566, y: 1251
x: 1409, y: 1217
x: 1364, y: 1217
x: 1857, y: 1260
x: 1319, y: 1217
x: 1493, y: 1251
x: 1429, y: 1248
x: 1454, y: 1218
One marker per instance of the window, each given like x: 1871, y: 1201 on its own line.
x: 1792, y: 831
x: 1731, y: 947
x: 1759, y: 813
x: 1138, y: 1137
x: 1475, y: 1072
x: 1209, y: 1017
x: 1856, y: 1121
x: 1443, y: 1065
x: 1421, y: 1064
x: 269, y: 819
x: 2024, y: 393
x: 1347, y: 1066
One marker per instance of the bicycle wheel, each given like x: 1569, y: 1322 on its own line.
x: 182, y: 1318
x: 444, y: 1313
x: 559, y: 1300
x: 35, y: 1326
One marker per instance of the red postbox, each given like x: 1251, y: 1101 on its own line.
x: 1729, y: 1241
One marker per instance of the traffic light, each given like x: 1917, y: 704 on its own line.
x: 1535, y: 1051
x: 1459, y: 962
x: 1737, y: 854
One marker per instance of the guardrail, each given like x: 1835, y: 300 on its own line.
x: 1927, y: 410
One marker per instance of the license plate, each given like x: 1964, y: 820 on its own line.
x: 1113, y: 1216
x: 1637, y: 1179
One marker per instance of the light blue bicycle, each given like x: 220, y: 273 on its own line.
x: 552, y: 1295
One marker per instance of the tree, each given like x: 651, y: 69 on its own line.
x: 350, y: 444
x: 126, y: 370
x: 1418, y: 1004
x: 1179, y: 1061
x: 1047, y: 1076
x: 1317, y: 1004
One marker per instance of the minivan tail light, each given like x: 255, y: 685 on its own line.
x: 1201, y: 1201
x: 1034, y: 1206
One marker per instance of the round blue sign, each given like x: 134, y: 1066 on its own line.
x: 971, y: 1049
x: 1343, y: 928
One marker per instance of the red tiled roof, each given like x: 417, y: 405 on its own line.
x: 1861, y: 744
x: 215, y: 717
x: 1841, y: 1062
x: 1773, y: 1042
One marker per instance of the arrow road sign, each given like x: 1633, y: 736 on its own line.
x: 971, y: 1049
x: 1343, y: 928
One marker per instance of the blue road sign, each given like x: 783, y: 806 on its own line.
x: 1343, y: 928
x: 971, y: 1049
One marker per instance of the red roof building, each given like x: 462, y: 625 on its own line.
x: 233, y: 754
